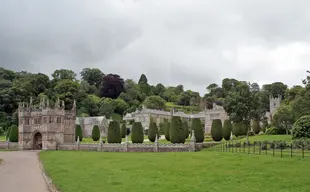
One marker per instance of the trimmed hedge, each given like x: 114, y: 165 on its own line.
x: 95, y: 134
x: 256, y: 127
x: 8, y: 133
x: 186, y: 129
x: 78, y: 132
x: 177, y: 130
x: 114, y: 132
x: 13, y: 133
x: 216, y: 130
x: 227, y: 129
x: 153, y: 131
x: 123, y: 130
x: 198, y: 129
x: 301, y: 128
x: 161, y: 129
x: 137, y: 133
x: 167, y: 130
x: 245, y: 127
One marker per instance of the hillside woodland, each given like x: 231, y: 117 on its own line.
x: 98, y: 93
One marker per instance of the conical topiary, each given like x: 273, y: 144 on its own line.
x: 176, y: 130
x: 216, y: 130
x: 153, y: 131
x: 256, y: 127
x: 167, y: 130
x: 227, y: 128
x: 8, y: 133
x: 198, y: 129
x: 114, y: 132
x: 78, y: 132
x: 137, y: 133
x: 95, y: 134
x: 123, y: 130
x: 186, y: 130
x: 237, y: 128
x: 13, y: 133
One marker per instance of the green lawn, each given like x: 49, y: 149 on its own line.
x: 287, y: 138
x: 2, y: 137
x: 202, y: 171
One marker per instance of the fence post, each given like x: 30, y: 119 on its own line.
x: 266, y: 147
x: 248, y: 147
x: 254, y: 147
x: 243, y: 147
x: 281, y: 151
x: 302, y: 150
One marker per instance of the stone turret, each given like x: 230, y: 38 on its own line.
x: 274, y: 103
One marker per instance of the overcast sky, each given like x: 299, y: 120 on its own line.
x: 187, y: 42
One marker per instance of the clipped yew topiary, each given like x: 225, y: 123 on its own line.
x: 78, y: 132
x: 177, y: 130
x: 245, y: 127
x: 13, y: 133
x: 301, y: 128
x: 114, y: 132
x: 216, y: 130
x: 8, y: 133
x: 153, y: 131
x: 167, y: 130
x: 227, y: 129
x: 237, y: 128
x: 198, y: 130
x: 256, y: 127
x: 161, y: 128
x: 95, y: 134
x: 186, y: 129
x: 137, y: 133
x: 123, y: 130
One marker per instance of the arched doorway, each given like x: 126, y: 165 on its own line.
x: 37, y: 141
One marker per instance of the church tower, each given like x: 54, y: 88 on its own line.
x: 274, y: 103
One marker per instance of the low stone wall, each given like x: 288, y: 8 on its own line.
x: 9, y: 145
x: 130, y: 147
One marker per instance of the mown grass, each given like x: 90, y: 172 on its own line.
x: 287, y: 138
x: 2, y: 137
x: 202, y: 171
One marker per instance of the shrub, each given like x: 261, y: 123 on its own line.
x: 237, y: 128
x: 227, y: 129
x: 13, y: 133
x: 1, y: 131
x: 245, y: 127
x: 128, y: 131
x: 114, y: 132
x: 137, y: 133
x: 186, y: 130
x: 272, y: 131
x: 161, y: 130
x: 167, y: 130
x: 177, y: 130
x: 95, y: 134
x: 78, y: 132
x: 301, y: 128
x: 8, y: 133
x: 123, y: 130
x: 153, y: 131
x: 198, y: 130
x: 216, y: 130
x: 256, y: 127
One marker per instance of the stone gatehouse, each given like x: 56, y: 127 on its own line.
x: 45, y: 126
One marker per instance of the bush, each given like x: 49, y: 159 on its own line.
x: 198, y: 130
x: 161, y: 130
x: 167, y: 130
x: 245, y: 127
x: 137, y: 133
x: 8, y: 133
x: 13, y: 133
x: 186, y: 130
x: 272, y: 131
x: 153, y: 131
x: 227, y: 129
x: 114, y: 132
x: 78, y: 132
x: 1, y: 131
x: 256, y: 127
x: 237, y: 128
x: 177, y: 134
x: 216, y: 130
x: 301, y: 128
x: 251, y: 133
x: 123, y: 130
x: 95, y: 134
x: 128, y: 131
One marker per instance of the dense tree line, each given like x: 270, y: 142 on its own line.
x: 98, y: 93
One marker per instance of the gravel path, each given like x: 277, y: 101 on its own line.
x: 20, y: 172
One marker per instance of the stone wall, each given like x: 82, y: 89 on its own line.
x: 9, y: 145
x: 131, y: 147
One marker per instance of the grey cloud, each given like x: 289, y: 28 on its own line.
x: 193, y: 43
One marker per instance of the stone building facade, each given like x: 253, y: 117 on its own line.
x: 87, y: 124
x: 144, y: 116
x: 44, y: 126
